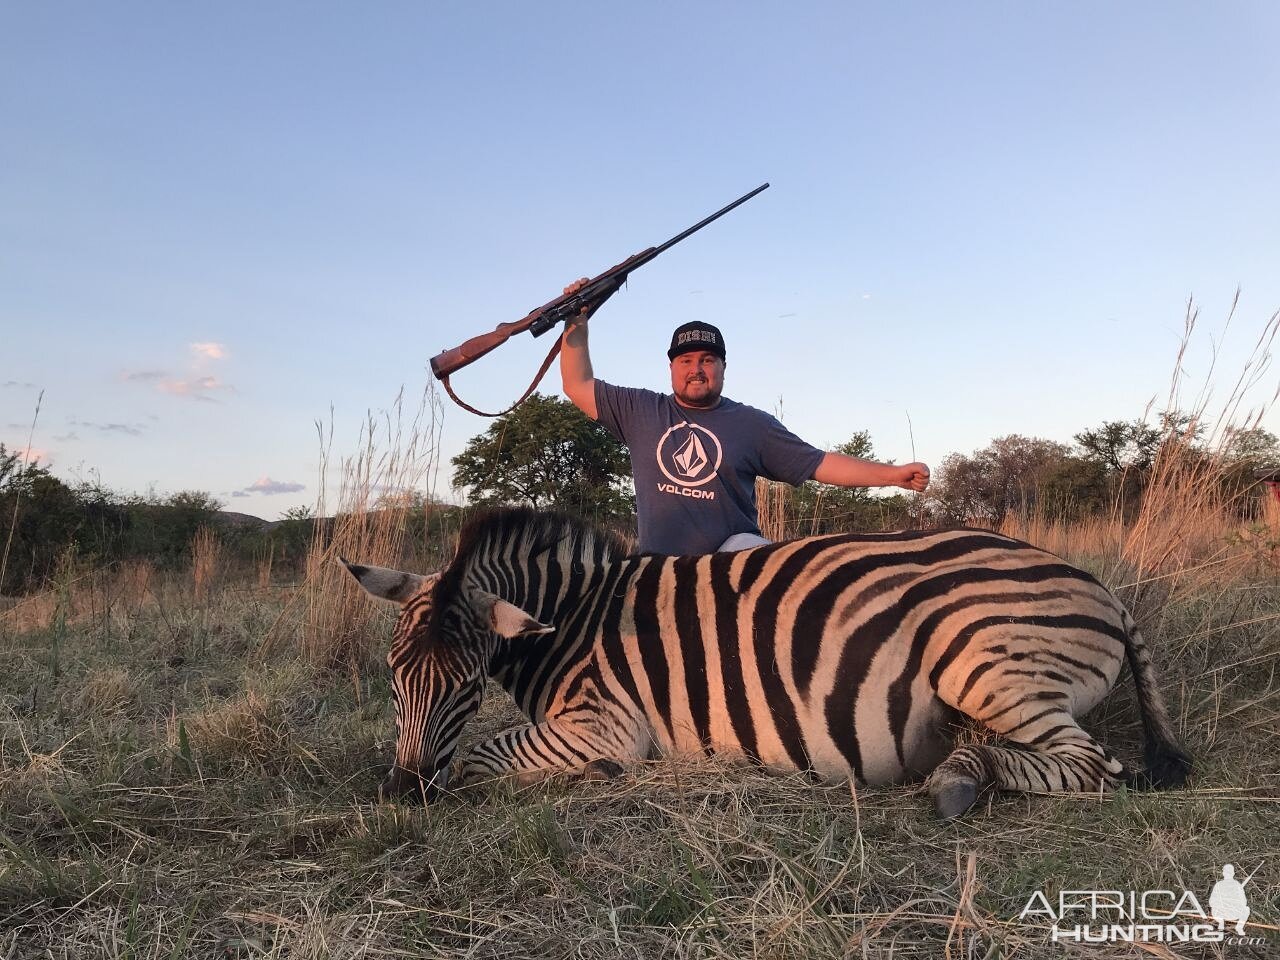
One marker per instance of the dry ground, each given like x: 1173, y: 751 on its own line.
x: 168, y: 791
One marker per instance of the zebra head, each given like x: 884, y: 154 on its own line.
x: 439, y: 658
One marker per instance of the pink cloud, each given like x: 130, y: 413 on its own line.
x: 210, y: 351
x: 33, y: 455
x: 197, y: 389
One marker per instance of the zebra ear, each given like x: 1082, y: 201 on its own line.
x: 395, y: 586
x: 506, y: 619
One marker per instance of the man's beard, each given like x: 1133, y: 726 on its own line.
x: 703, y: 401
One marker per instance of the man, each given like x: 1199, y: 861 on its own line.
x: 695, y: 454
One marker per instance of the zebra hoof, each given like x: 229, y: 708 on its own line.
x: 954, y: 797
x: 602, y: 770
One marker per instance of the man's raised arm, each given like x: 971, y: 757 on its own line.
x: 576, y: 375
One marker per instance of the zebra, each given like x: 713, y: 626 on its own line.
x: 850, y: 656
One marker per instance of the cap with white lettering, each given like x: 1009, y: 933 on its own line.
x: 696, y: 335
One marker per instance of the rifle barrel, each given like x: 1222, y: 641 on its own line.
x: 650, y: 254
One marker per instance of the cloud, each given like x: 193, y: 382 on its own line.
x: 67, y: 437
x: 129, y: 429
x: 209, y: 351
x: 18, y: 385
x: 33, y: 454
x: 267, y: 486
x: 197, y: 389
x: 194, y: 386
x: 145, y: 376
x: 866, y: 296
x: 239, y: 493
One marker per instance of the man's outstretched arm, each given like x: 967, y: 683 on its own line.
x: 844, y: 471
x: 576, y: 375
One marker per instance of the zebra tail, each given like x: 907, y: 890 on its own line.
x: 1167, y: 761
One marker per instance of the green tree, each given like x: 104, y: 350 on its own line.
x: 1258, y: 447
x: 10, y: 467
x: 548, y: 453
x: 1073, y: 488
x: 39, y: 518
x: 1248, y: 455
x: 814, y: 507
x: 1120, y: 445
x: 1127, y: 449
x: 1006, y: 475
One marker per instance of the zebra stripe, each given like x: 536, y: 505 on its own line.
x: 849, y: 656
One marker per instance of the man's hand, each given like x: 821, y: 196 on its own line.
x: 583, y: 314
x: 915, y: 476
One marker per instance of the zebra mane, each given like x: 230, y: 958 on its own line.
x: 524, y: 534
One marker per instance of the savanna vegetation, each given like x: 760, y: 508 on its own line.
x: 191, y: 741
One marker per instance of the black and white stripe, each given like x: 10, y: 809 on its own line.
x: 850, y: 656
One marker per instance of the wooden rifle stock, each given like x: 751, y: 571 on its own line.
x: 443, y: 364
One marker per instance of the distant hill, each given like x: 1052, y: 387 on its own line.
x: 234, y: 519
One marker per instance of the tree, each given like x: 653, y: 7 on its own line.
x: 1129, y: 445
x: 1257, y: 447
x: 39, y: 517
x: 1248, y: 455
x: 1004, y: 476
x: 1127, y: 449
x: 1120, y: 445
x: 548, y: 453
x: 814, y: 507
x: 1073, y: 488
x: 10, y: 467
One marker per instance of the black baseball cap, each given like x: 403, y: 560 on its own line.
x: 696, y: 335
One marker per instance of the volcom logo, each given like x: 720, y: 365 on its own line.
x: 692, y: 457
x: 689, y: 455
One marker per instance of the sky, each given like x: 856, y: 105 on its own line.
x: 220, y: 224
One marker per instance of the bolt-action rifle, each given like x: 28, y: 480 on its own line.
x: 588, y: 297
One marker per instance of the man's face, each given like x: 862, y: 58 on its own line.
x: 697, y: 377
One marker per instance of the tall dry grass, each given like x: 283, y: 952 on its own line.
x: 384, y: 492
x: 1269, y: 516
x: 771, y: 508
x: 109, y: 597
x: 1192, y: 533
x: 1096, y: 536
x: 266, y: 567
x: 1180, y: 540
x: 208, y: 562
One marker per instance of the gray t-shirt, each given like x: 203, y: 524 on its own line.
x: 695, y: 470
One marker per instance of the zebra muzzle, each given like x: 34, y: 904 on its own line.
x: 402, y: 784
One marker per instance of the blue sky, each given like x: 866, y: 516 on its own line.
x: 219, y: 222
